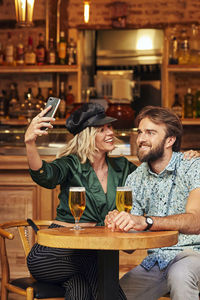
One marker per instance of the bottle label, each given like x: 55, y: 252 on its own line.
x: 52, y: 58
x: 30, y: 58
x: 20, y: 54
x: 184, y: 45
x: 41, y: 55
x: 177, y: 110
x: 62, y: 108
x: 9, y: 54
x: 62, y: 50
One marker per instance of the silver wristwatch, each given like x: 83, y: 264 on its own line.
x: 149, y: 222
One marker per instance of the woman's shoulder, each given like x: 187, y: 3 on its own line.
x: 70, y: 159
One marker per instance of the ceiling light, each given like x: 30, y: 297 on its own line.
x: 86, y: 11
x: 24, y: 12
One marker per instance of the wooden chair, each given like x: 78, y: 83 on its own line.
x: 26, y: 286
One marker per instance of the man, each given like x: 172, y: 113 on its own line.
x: 166, y: 196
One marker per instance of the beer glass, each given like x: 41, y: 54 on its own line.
x: 77, y: 202
x: 124, y: 198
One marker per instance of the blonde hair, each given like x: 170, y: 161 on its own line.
x: 82, y: 145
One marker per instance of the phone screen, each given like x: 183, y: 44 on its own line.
x: 54, y: 102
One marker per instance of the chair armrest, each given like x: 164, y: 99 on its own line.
x: 6, y: 234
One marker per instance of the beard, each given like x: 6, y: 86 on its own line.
x: 153, y: 154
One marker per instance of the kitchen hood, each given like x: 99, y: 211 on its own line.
x: 129, y: 47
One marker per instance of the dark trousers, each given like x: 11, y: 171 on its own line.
x: 76, y: 270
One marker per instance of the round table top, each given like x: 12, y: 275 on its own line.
x: 101, y: 238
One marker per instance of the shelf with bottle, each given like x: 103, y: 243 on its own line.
x: 39, y: 69
x: 187, y: 107
x: 177, y: 74
x: 28, y: 59
x: 183, y: 45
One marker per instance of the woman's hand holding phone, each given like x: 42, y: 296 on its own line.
x: 42, y: 122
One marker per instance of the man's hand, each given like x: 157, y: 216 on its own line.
x: 124, y: 221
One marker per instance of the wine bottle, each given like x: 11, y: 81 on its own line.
x: 62, y: 96
x: 188, y: 104
x: 177, y: 106
x: 62, y: 49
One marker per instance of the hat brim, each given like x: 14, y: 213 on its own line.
x: 103, y: 121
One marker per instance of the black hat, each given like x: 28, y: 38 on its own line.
x: 88, y: 115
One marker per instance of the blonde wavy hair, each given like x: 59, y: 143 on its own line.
x: 83, y: 145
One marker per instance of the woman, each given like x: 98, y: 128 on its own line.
x: 83, y: 162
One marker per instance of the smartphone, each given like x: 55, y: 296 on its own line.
x: 54, y: 102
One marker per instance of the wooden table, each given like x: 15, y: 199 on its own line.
x: 107, y: 244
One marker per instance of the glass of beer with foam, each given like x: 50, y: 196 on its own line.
x: 77, y: 203
x: 124, y: 198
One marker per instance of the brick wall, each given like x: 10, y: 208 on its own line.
x: 139, y: 12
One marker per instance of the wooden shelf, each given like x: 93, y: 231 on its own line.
x: 39, y: 69
x: 183, y: 68
x: 191, y: 121
x: 61, y: 122
x: 24, y: 122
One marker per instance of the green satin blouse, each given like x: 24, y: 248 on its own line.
x: 68, y: 171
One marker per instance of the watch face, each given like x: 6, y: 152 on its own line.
x: 149, y: 221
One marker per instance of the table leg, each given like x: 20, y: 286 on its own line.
x: 108, y: 274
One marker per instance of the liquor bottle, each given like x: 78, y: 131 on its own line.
x: 2, y: 104
x: 1, y: 54
x: 188, y: 104
x: 14, y: 105
x: 9, y: 51
x: 173, y: 51
x: 184, y: 54
x: 62, y: 96
x: 30, y: 55
x: 29, y: 104
x: 40, y: 100
x: 194, y: 45
x: 71, y: 52
x: 177, y: 107
x: 62, y: 49
x: 40, y: 50
x: 20, y: 51
x: 197, y: 104
x: 50, y: 93
x: 51, y: 56
x: 70, y: 96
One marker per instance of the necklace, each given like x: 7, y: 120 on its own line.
x: 101, y: 174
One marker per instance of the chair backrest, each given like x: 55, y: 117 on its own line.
x: 27, y: 238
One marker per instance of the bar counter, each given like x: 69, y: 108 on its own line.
x: 19, y: 162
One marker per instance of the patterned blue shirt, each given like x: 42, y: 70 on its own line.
x: 162, y: 195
